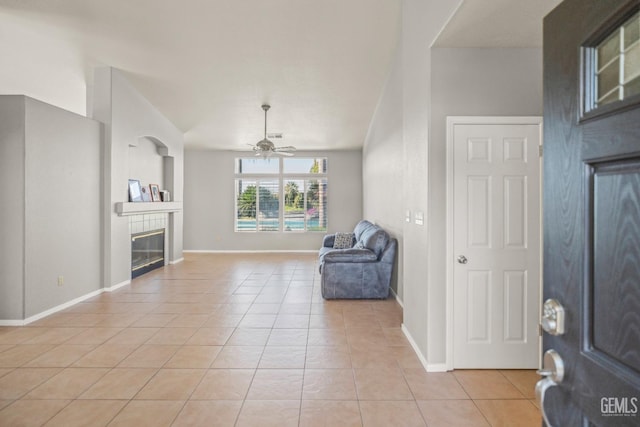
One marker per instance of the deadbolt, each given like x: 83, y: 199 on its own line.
x: 553, y: 318
x: 462, y: 259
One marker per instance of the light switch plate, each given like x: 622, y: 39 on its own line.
x: 419, y: 218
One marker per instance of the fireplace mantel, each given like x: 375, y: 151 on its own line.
x: 140, y: 208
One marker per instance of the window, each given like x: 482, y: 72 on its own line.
x: 616, y: 65
x: 299, y: 185
x: 305, y: 205
x: 257, y: 165
x: 257, y: 205
x: 296, y: 165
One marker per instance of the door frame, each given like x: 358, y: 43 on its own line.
x: 452, y: 122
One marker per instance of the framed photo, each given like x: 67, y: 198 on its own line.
x: 155, y: 192
x: 135, y: 191
x: 146, y: 194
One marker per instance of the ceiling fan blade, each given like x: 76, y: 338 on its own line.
x: 282, y: 153
x: 264, y: 153
x: 287, y: 148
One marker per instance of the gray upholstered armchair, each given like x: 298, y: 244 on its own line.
x: 361, y: 271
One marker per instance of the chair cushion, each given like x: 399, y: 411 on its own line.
x: 327, y: 241
x: 343, y: 241
x: 350, y: 255
x: 376, y: 240
x: 361, y: 228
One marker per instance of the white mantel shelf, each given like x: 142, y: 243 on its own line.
x: 140, y: 208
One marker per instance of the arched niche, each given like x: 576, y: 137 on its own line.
x: 151, y: 163
x: 161, y: 147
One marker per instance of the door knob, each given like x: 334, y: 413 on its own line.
x: 462, y: 259
x: 553, y: 373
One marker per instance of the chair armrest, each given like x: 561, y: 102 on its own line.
x: 351, y: 255
x: 328, y: 240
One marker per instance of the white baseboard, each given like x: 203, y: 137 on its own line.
x: 285, y: 251
x: 117, y: 286
x: 437, y: 367
x: 398, y: 300
x: 11, y: 322
x: 63, y: 306
x: 50, y: 311
x: 429, y: 367
x: 179, y: 260
x: 415, y: 347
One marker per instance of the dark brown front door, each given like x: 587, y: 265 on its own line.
x: 592, y: 209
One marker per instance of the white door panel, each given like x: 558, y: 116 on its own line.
x: 496, y: 223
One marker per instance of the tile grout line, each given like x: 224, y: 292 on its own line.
x: 153, y: 298
x: 255, y: 371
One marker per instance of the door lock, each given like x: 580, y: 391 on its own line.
x: 553, y: 373
x: 553, y: 317
x: 462, y: 259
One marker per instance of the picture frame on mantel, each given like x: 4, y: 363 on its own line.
x: 155, y: 192
x: 135, y: 191
x: 146, y: 194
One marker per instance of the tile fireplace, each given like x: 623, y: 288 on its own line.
x: 147, y: 251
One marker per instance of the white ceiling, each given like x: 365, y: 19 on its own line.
x: 208, y: 65
x: 496, y: 23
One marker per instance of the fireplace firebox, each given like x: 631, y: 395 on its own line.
x: 147, y: 252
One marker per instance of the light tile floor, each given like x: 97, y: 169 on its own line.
x: 244, y: 340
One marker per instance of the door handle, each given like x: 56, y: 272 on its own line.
x: 553, y: 373
x: 462, y: 259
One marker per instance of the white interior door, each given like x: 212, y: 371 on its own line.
x: 496, y: 245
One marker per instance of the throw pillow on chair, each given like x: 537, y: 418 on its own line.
x: 343, y: 241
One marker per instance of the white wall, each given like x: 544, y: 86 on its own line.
x: 52, y: 218
x: 128, y: 117
x: 422, y: 22
x: 12, y: 217
x: 383, y: 166
x: 63, y: 206
x: 425, y: 86
x: 209, y: 203
x: 469, y: 82
x: 145, y: 163
x: 60, y: 184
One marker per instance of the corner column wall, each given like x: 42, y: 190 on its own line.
x: 128, y: 116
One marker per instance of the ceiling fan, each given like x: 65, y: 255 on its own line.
x: 265, y: 147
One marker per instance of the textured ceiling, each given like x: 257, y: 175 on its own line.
x: 208, y: 65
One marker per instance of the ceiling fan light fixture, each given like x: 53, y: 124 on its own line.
x: 265, y: 147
